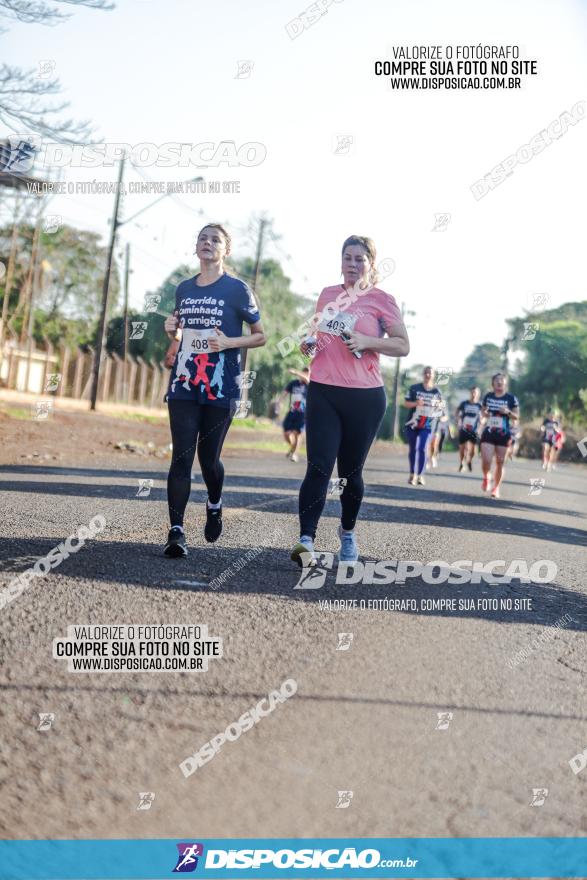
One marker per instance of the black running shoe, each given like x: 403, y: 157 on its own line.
x: 175, y: 547
x: 470, y: 465
x: 213, y: 527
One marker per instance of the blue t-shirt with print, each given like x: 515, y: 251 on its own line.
x: 425, y: 416
x: 298, y: 392
x: 498, y: 423
x: 199, y: 374
x: 470, y: 416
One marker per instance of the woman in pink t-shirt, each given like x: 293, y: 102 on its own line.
x: 355, y: 323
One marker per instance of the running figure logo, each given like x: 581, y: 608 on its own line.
x: 187, y: 859
x: 539, y: 795
x: 239, y: 409
x: 46, y: 68
x: 52, y: 381
x: 43, y: 409
x: 181, y: 369
x: 336, y: 486
x: 46, y: 719
x: 146, y: 799
x: 444, y: 719
x: 443, y: 375
x: 138, y: 329
x: 345, y: 641
x: 144, y: 489
x: 539, y: 301
x: 441, y: 221
x: 246, y: 379
x: 314, y: 571
x: 152, y: 300
x: 344, y: 800
x: 52, y: 223
x: 17, y: 153
x: 343, y: 144
x: 244, y: 69
x: 530, y: 331
x: 217, y: 375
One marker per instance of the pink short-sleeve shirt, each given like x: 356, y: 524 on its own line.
x: 334, y: 364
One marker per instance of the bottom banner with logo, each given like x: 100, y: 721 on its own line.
x: 376, y: 857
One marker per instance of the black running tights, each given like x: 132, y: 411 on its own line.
x: 195, y: 426
x: 341, y: 425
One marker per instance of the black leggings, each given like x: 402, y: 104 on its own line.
x: 341, y: 424
x: 191, y: 425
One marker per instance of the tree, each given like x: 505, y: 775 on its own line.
x: 154, y: 343
x: 480, y: 366
x: 77, y: 274
x: 554, y: 371
x: 69, y: 290
x: 282, y: 311
x: 24, y: 95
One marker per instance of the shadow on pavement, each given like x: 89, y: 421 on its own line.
x: 134, y: 565
x: 142, y: 693
x: 411, y: 509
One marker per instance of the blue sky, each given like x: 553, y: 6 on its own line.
x: 157, y: 73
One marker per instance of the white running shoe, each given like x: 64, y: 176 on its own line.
x: 303, y: 552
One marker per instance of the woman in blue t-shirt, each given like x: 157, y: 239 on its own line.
x: 501, y: 412
x: 204, y: 386
x: 294, y: 422
x: 425, y: 400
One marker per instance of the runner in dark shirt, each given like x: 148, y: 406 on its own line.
x: 294, y: 422
x: 204, y: 392
x: 425, y: 400
x: 469, y: 421
x: 501, y: 411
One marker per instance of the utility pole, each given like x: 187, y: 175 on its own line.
x: 245, y: 351
x: 27, y: 287
x: 262, y: 225
x: 102, y: 325
x: 9, y: 274
x: 125, y: 322
x: 505, y: 349
x: 34, y: 284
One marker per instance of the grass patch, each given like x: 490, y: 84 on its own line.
x: 138, y: 417
x: 261, y: 445
x: 17, y: 412
x: 256, y: 425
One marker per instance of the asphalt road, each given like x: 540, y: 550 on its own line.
x: 364, y: 720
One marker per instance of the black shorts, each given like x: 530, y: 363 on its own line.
x: 550, y: 442
x: 294, y: 421
x: 467, y: 437
x: 497, y: 438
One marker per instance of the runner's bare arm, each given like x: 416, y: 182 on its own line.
x: 395, y: 344
x: 255, y: 339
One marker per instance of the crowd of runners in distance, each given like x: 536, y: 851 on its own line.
x: 338, y: 400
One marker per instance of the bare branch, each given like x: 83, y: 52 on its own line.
x: 40, y: 12
x: 24, y: 108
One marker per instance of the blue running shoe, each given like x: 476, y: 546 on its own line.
x: 349, y: 552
